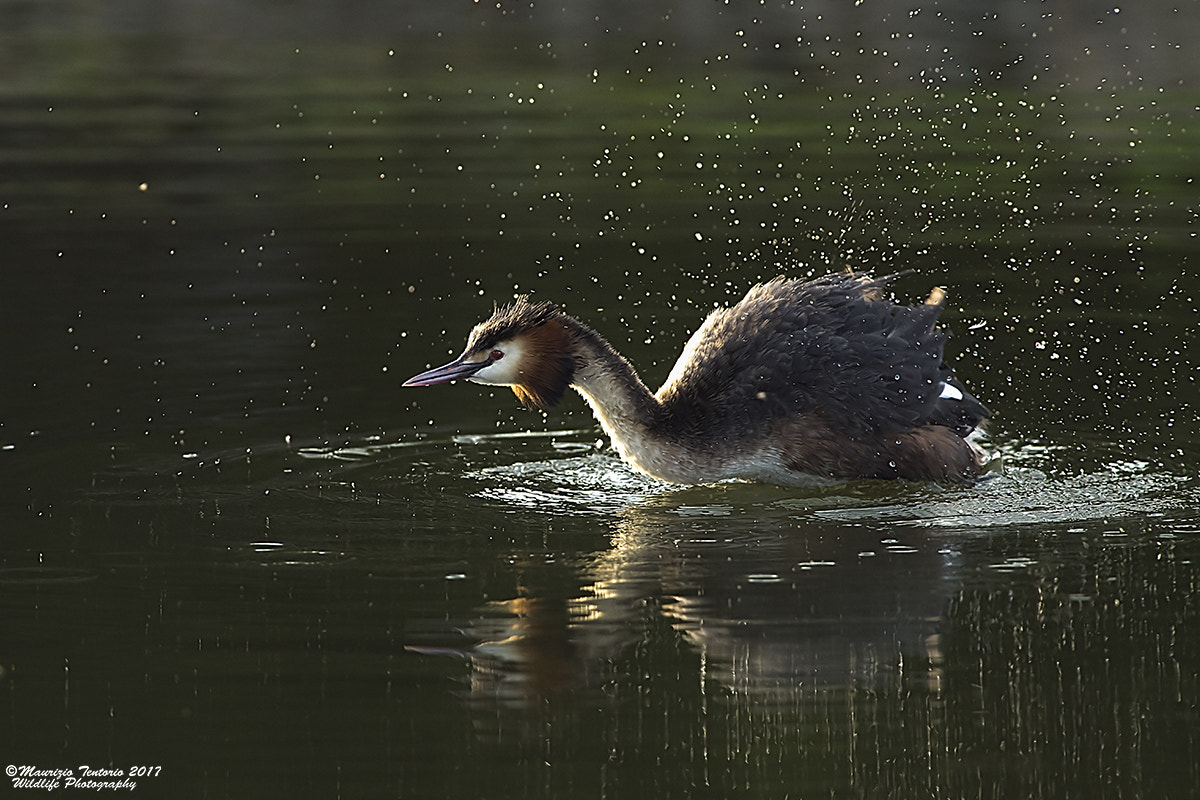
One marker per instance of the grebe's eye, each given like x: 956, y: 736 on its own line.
x: 495, y: 355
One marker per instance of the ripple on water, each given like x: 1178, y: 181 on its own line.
x: 44, y: 575
x: 564, y: 471
x: 1022, y: 496
x: 594, y: 483
x: 599, y: 483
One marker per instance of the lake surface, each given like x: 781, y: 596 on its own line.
x: 238, y: 560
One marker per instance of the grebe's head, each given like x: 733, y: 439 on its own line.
x: 524, y: 345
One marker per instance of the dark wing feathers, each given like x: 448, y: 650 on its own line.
x: 825, y: 347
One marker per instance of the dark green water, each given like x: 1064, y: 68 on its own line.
x: 234, y: 548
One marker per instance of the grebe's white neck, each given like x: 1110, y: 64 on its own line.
x: 647, y: 435
x: 628, y: 412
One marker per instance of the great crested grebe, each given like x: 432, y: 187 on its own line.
x: 798, y: 382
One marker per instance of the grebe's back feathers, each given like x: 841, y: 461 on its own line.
x: 830, y: 348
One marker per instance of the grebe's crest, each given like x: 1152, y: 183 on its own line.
x: 526, y: 343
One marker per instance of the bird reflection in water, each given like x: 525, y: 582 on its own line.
x: 767, y: 609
